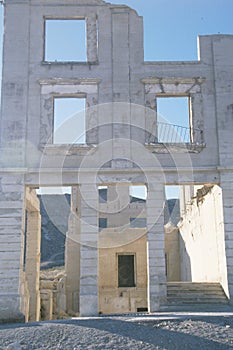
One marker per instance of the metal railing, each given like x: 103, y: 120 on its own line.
x: 169, y: 133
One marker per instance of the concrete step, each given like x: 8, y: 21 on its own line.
x: 197, y: 302
x: 196, y: 297
x: 196, y: 308
x: 180, y: 293
x: 194, y: 285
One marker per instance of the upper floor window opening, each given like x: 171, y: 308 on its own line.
x: 65, y: 40
x: 173, y: 119
x: 69, y: 125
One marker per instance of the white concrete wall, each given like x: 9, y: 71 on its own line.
x: 11, y: 248
x: 227, y: 191
x: 202, y: 244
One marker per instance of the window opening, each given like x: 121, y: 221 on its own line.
x: 103, y: 194
x: 126, y: 274
x: 172, y: 205
x: 138, y: 193
x: 65, y: 40
x: 173, y: 119
x: 55, y: 209
x: 103, y: 223
x: 69, y: 121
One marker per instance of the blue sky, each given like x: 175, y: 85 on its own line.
x: 171, y: 27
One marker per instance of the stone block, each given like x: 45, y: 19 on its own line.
x: 89, y: 280
x: 88, y: 305
x: 10, y: 308
x: 88, y: 271
x: 154, y: 304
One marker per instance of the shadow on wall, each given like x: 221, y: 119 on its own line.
x: 185, y: 262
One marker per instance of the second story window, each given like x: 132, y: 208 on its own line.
x: 69, y: 120
x: 173, y: 119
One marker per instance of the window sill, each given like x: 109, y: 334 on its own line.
x: 67, y: 149
x: 165, y: 148
x: 71, y: 63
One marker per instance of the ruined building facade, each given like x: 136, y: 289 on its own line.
x: 121, y: 146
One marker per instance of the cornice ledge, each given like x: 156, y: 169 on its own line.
x: 62, y: 81
x: 173, y: 80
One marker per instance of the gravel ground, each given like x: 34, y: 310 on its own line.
x: 158, y: 331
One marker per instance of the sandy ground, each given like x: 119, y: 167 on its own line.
x: 161, y: 331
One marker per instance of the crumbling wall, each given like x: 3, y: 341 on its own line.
x: 53, y: 294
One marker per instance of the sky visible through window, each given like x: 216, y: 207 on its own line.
x: 175, y: 111
x: 139, y: 191
x: 65, y: 40
x: 172, y: 191
x: 69, y: 121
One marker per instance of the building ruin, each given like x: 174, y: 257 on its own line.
x: 124, y: 144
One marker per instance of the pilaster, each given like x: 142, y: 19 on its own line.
x: 88, y: 251
x: 11, y: 244
x: 157, y: 291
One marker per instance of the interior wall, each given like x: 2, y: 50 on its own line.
x: 172, y: 251
x: 32, y: 251
x: 202, y: 246
x: 111, y: 298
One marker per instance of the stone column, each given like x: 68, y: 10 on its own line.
x: 88, y: 251
x: 227, y: 196
x: 157, y: 289
x: 32, y: 264
x: 72, y: 254
x: 11, y: 244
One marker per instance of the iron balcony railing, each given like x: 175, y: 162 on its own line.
x: 169, y: 133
